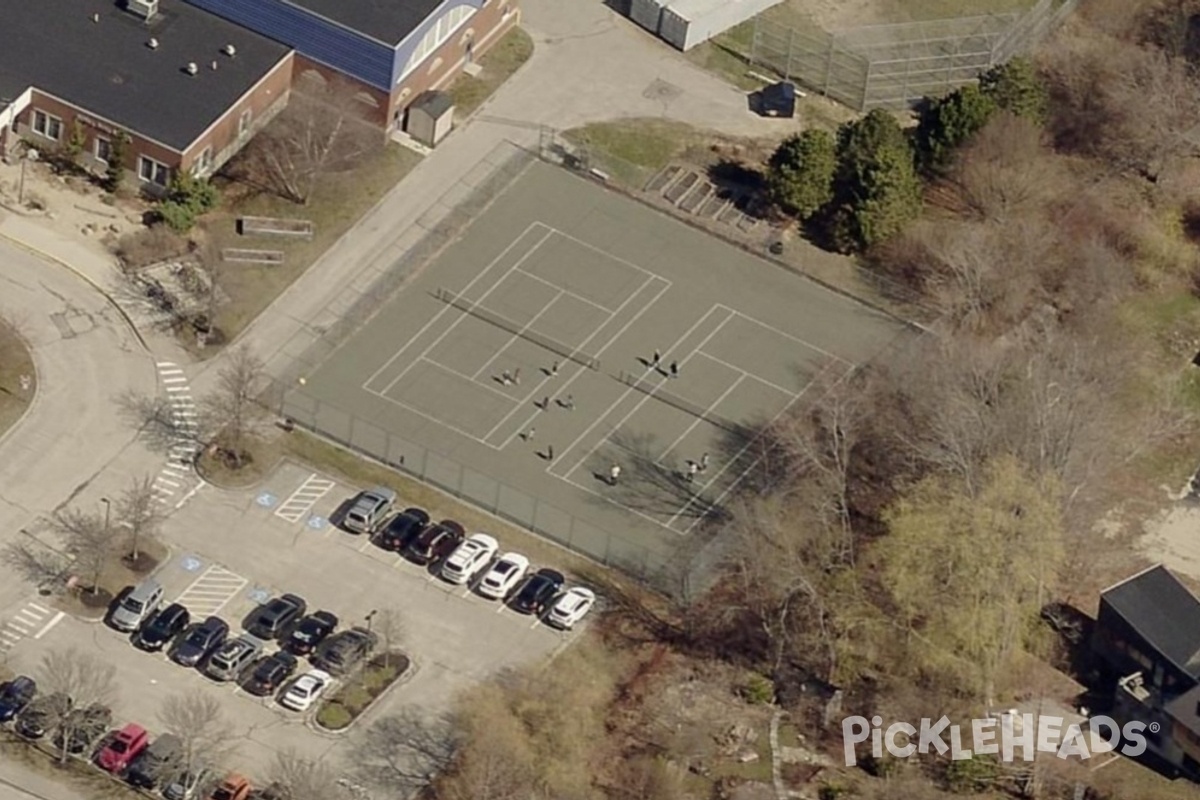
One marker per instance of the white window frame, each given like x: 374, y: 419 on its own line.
x: 203, y: 163
x: 107, y: 143
x: 244, y: 120
x: 42, y: 123
x: 437, y: 35
x: 157, y: 171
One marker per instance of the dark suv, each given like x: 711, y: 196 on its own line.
x: 158, y: 762
x: 164, y: 626
x: 201, y: 642
x: 42, y: 714
x: 402, y: 529
x: 272, y: 620
x: 271, y: 673
x: 310, y: 632
x: 341, y: 653
x: 436, y: 542
x: 539, y: 589
x: 16, y: 695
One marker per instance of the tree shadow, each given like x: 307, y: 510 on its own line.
x: 742, y: 185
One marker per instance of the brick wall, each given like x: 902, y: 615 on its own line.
x: 373, y: 102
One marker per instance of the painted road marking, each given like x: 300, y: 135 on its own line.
x: 301, y: 501
x: 22, y: 624
x: 46, y: 628
x: 210, y: 592
x: 183, y: 449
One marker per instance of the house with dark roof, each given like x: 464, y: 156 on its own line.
x: 1147, y: 641
x: 185, y: 89
x: 391, y: 51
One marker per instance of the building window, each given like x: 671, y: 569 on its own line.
x: 366, y: 99
x: 103, y: 149
x: 436, y: 36
x: 436, y: 65
x: 47, y: 125
x: 244, y: 123
x: 203, y: 163
x: 152, y: 171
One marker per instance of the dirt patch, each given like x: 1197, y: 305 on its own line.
x: 261, y: 455
x: 72, y: 206
x: 18, y: 379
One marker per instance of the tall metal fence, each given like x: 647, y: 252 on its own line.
x: 894, y: 66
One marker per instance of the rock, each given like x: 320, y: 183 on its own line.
x: 748, y: 757
x: 114, y: 228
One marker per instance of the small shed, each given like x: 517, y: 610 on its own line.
x: 778, y: 100
x: 430, y: 118
x: 647, y: 13
x: 687, y: 23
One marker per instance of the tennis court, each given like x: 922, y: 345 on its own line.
x: 587, y: 367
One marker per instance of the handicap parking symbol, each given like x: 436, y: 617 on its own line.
x: 259, y: 596
x: 316, y: 523
x: 191, y: 563
x: 266, y: 500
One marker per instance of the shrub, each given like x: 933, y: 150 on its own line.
x: 972, y: 775
x: 114, y: 173
x: 1017, y: 88
x: 947, y: 122
x: 198, y: 194
x: 149, y: 246
x: 758, y: 690
x: 800, y: 172
x: 179, y: 217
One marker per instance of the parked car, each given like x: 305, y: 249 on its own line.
x: 271, y: 673
x: 310, y: 632
x: 341, y: 652
x: 15, y: 695
x: 503, y: 576
x: 369, y: 509
x: 137, y: 606
x: 37, y: 718
x: 571, y: 607
x: 83, y: 728
x: 436, y: 542
x: 153, y: 765
x: 232, y: 787
x: 163, y: 627
x: 539, y: 590
x: 272, y: 620
x: 402, y: 529
x: 186, y: 784
x: 469, y: 558
x: 305, y: 690
x: 201, y: 642
x: 233, y: 657
x: 119, y: 753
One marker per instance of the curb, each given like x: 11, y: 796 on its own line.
x: 51, y: 257
x: 167, y: 559
x: 37, y: 387
x: 316, y: 727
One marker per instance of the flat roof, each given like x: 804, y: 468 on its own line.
x: 107, y: 67
x: 388, y: 21
x: 1162, y: 610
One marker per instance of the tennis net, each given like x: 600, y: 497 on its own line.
x: 515, y: 328
x: 639, y: 382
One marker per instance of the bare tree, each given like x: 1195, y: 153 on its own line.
x: 1005, y: 171
x: 389, y: 624
x: 404, y: 752
x: 36, y: 562
x: 140, y: 514
x: 196, y: 718
x: 303, y: 778
x: 83, y: 679
x: 158, y: 424
x: 88, y: 541
x: 232, y: 408
x: 322, y: 130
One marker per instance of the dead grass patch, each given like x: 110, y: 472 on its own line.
x: 496, y: 66
x: 16, y: 362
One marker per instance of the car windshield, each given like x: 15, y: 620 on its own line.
x: 222, y: 794
x: 134, y: 605
x: 120, y: 746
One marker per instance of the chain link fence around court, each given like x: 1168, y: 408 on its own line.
x: 894, y: 66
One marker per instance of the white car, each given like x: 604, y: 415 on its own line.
x: 503, y: 576
x: 469, y: 558
x: 571, y: 607
x: 305, y: 691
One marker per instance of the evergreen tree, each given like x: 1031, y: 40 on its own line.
x: 947, y: 122
x: 1017, y: 88
x: 800, y: 172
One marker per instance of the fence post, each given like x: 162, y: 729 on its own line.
x: 828, y: 65
x: 752, y: 56
x: 866, y: 87
x: 787, y: 61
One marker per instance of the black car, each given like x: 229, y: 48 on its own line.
x: 436, y: 542
x: 271, y: 673
x: 341, y: 652
x: 272, y: 620
x: 539, y: 589
x: 15, y: 695
x: 42, y: 714
x: 155, y: 765
x: 83, y: 728
x: 402, y: 529
x: 164, y: 626
x: 310, y: 632
x: 201, y: 642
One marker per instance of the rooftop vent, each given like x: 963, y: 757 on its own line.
x: 214, y: 65
x: 95, y: 17
x: 229, y: 50
x: 152, y: 44
x: 191, y: 68
x: 146, y: 9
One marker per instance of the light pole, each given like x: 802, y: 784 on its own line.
x: 30, y: 155
x: 107, y: 510
x: 370, y: 617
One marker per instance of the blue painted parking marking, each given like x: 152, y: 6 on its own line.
x: 316, y: 523
x: 191, y: 563
x: 267, y: 500
x: 259, y: 596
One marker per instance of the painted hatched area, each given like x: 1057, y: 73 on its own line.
x: 209, y: 593
x: 177, y: 473
x: 301, y: 501
x: 30, y: 621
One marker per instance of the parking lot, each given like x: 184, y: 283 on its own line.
x: 231, y: 551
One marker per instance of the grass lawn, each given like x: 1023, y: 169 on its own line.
x: 498, y: 65
x: 360, y: 690
x: 633, y: 150
x: 338, y: 202
x: 15, y: 361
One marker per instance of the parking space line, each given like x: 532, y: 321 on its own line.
x: 212, y: 591
x: 301, y: 501
x: 363, y: 547
x: 46, y: 628
x: 22, y: 623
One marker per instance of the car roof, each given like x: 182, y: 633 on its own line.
x: 324, y: 616
x: 483, y: 538
x: 381, y: 492
x: 21, y: 682
x: 513, y: 558
x: 131, y: 729
x: 212, y: 623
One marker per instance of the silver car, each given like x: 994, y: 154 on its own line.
x: 369, y: 509
x: 233, y: 657
x: 137, y: 606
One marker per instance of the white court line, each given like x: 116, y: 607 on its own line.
x: 519, y: 335
x: 46, y: 628
x: 615, y: 502
x: 796, y: 339
x: 603, y: 252
x: 471, y: 378
x: 446, y: 308
x: 567, y: 292
x: 698, y: 420
x: 438, y: 420
x: 763, y: 381
x: 463, y: 314
x: 646, y: 396
x: 611, y: 341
